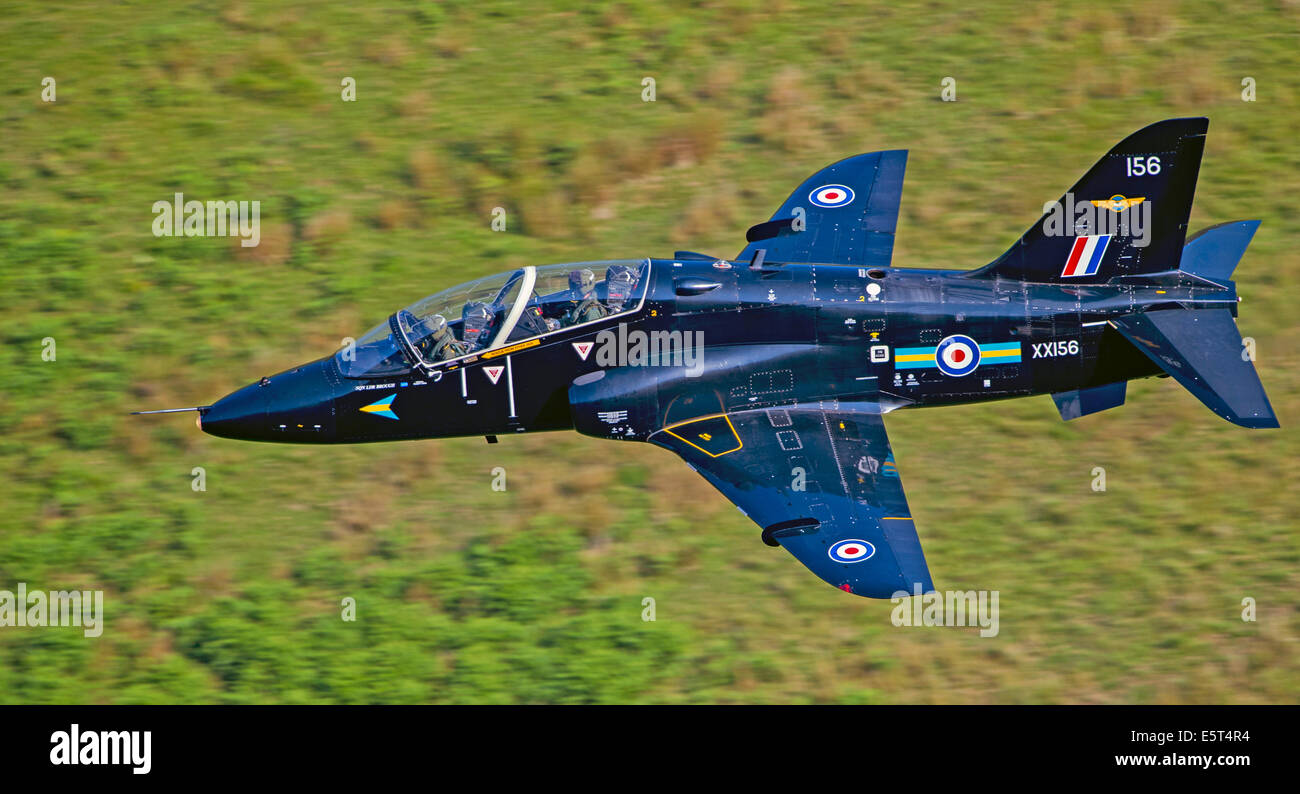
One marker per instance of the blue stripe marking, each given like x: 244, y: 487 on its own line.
x: 914, y: 351
x: 1097, y: 252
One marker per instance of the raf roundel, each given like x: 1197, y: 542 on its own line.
x: 852, y: 550
x: 957, y: 355
x: 831, y: 196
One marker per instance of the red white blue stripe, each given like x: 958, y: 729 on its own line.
x: 1085, y: 256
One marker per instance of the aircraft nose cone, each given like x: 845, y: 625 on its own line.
x: 240, y: 414
x: 294, y: 406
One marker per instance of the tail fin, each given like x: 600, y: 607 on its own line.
x: 1126, y: 216
x: 1213, y: 253
x: 1202, y: 350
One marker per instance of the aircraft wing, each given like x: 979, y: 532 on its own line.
x: 845, y: 214
x: 821, y: 481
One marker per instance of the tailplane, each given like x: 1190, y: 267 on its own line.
x: 1202, y: 350
x: 1126, y: 217
x: 1214, y: 252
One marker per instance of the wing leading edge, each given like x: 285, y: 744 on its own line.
x: 820, y: 479
x: 848, y: 212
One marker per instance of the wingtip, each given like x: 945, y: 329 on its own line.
x: 1256, y: 423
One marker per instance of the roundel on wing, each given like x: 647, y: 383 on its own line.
x: 831, y: 196
x: 852, y: 550
x: 957, y: 355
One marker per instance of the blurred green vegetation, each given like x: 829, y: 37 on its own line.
x: 535, y: 595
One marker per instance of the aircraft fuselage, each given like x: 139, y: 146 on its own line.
x: 762, y: 336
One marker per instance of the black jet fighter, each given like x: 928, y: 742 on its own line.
x: 770, y: 374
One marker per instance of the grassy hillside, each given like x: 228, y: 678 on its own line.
x: 534, y: 595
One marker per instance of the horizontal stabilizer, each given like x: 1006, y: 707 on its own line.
x: 1215, y: 252
x: 1203, y: 351
x: 1081, y: 402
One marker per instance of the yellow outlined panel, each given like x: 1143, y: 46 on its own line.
x: 714, y: 435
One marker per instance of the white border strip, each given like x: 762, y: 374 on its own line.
x: 510, y: 386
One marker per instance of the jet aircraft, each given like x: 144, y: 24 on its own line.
x: 771, y: 373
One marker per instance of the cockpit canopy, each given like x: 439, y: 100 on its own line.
x: 495, y: 311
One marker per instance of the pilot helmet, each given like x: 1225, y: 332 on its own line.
x: 581, y: 283
x: 436, y: 326
x: 477, y: 319
x: 619, y: 280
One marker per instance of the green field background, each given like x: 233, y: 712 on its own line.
x: 534, y: 595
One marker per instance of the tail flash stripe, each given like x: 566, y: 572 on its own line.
x: 1075, y: 254
x: 1085, y: 255
x: 1097, y: 252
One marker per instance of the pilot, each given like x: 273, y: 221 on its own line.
x: 534, y: 321
x: 437, y: 343
x: 476, y: 325
x: 619, y: 281
x: 583, y: 306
